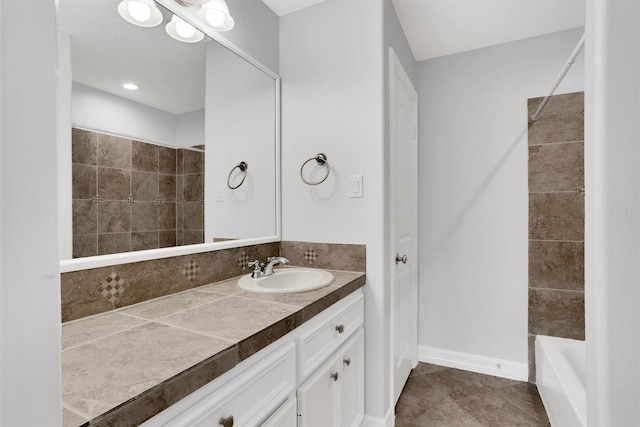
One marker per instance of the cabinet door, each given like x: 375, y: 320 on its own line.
x: 352, y: 381
x: 285, y: 416
x: 319, y: 396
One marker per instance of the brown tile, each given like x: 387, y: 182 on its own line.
x: 114, y: 243
x: 459, y: 384
x: 179, y: 188
x: 193, y: 216
x: 84, y: 146
x: 179, y: 162
x: 92, y: 328
x: 114, y: 184
x: 192, y: 237
x: 129, y: 371
x: 419, y: 395
x: 447, y: 414
x: 562, y: 119
x: 114, y: 152
x: 325, y: 255
x: 144, y: 186
x: 83, y: 181
x: 250, y: 346
x: 79, y: 295
x: 166, y: 306
x: 167, y: 160
x: 525, y: 396
x: 556, y: 313
x: 167, y: 216
x: 85, y: 245
x: 71, y: 419
x: 169, y: 392
x: 556, y: 216
x: 216, y: 318
x: 141, y: 240
x: 179, y: 237
x: 194, y: 187
x: 556, y: 265
x: 491, y: 409
x: 556, y: 167
x: 167, y: 188
x: 85, y: 217
x: 426, y: 368
x: 167, y: 238
x: 114, y: 217
x: 144, y: 157
x: 532, y: 357
x: 144, y: 216
x: 193, y: 161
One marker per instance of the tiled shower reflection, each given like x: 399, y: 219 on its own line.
x: 130, y: 195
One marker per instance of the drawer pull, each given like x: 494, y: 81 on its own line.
x: 334, y: 375
x: 340, y: 329
x: 347, y: 361
x: 226, y: 422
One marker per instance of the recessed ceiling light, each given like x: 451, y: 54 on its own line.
x: 130, y: 86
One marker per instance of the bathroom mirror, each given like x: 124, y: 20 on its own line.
x: 156, y: 167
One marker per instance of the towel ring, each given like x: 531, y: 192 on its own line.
x: 243, y: 167
x: 321, y: 159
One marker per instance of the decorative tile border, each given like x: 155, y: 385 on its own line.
x: 332, y: 256
x: 93, y: 291
x: 88, y: 292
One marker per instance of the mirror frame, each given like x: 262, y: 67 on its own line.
x: 77, y: 264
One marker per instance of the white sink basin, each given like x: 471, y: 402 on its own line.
x: 287, y: 280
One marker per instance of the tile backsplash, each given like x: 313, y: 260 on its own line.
x: 97, y: 290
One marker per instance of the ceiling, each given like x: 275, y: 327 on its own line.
x: 443, y: 27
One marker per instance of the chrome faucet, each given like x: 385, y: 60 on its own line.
x: 263, y: 270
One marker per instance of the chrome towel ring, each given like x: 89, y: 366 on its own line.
x: 321, y: 159
x: 242, y: 167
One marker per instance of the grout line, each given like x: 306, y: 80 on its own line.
x: 146, y: 322
x: 227, y: 340
x: 557, y: 290
x: 175, y: 312
x: 556, y: 241
x: 556, y: 192
x: 556, y: 143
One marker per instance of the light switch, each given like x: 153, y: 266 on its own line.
x: 355, y: 186
x: 220, y: 192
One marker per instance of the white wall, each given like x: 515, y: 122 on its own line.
x: 332, y: 102
x: 29, y: 279
x: 103, y: 112
x: 473, y: 191
x: 240, y: 126
x: 190, y: 128
x: 612, y: 245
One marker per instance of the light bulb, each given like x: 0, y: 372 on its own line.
x: 130, y: 86
x: 214, y: 17
x: 184, y: 29
x: 139, y: 11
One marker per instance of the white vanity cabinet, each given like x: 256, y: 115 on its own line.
x: 261, y: 394
x: 313, y: 376
x: 334, y: 394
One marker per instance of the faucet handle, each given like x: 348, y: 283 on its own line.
x: 257, y: 269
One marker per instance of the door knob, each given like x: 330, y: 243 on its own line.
x: 401, y: 259
x: 226, y: 422
x: 334, y: 376
x: 347, y: 361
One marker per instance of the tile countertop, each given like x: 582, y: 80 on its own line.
x: 124, y: 366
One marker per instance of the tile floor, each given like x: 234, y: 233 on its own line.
x: 440, y: 396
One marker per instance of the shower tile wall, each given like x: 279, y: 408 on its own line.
x: 556, y: 220
x: 129, y: 195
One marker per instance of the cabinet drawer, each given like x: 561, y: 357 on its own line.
x: 315, y: 345
x: 285, y: 416
x: 249, y: 398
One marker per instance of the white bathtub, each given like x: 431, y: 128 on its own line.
x: 560, y: 377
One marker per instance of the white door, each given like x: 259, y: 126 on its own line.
x: 404, y: 219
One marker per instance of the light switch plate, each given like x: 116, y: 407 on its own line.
x: 355, y: 186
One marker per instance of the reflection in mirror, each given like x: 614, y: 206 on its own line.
x: 140, y: 179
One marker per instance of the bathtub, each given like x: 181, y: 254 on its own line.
x: 560, y: 377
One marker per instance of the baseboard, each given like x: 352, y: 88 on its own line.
x: 474, y: 363
x: 387, y: 421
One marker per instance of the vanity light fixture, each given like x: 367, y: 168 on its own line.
x: 216, y: 13
x: 182, y: 31
x: 143, y: 13
x: 130, y: 86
